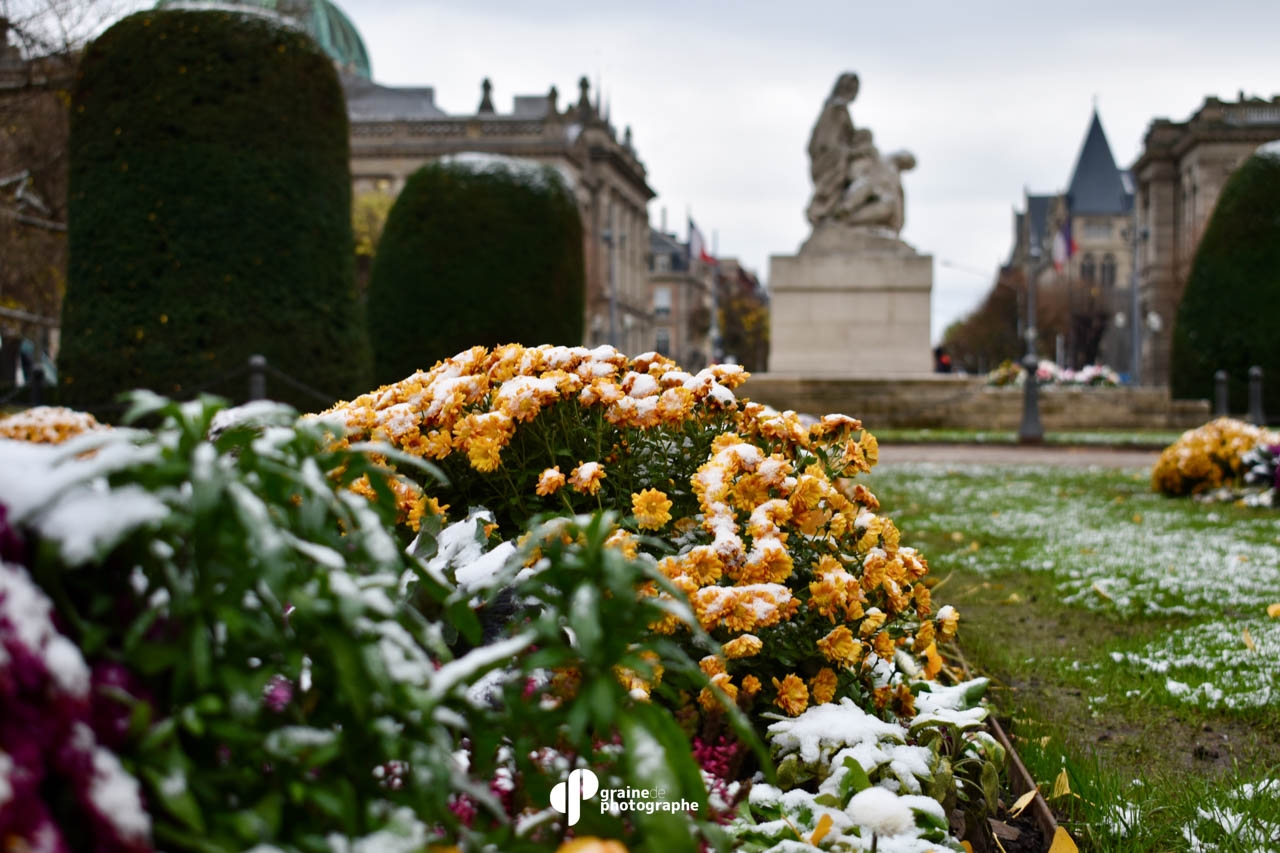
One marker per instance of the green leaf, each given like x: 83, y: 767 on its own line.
x: 171, y: 791
x: 991, y: 786
x: 854, y: 781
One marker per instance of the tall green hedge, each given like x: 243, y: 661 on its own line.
x: 1229, y: 318
x: 209, y: 213
x: 475, y: 252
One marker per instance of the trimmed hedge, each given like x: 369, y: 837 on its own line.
x: 1229, y: 318
x: 210, y: 213
x: 481, y: 251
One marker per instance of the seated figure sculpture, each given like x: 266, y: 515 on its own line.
x: 853, y: 184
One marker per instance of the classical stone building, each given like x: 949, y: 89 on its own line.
x: 1181, y: 171
x: 1094, y: 219
x: 680, y: 296
x: 395, y: 130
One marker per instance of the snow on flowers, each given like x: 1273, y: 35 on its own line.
x: 784, y: 559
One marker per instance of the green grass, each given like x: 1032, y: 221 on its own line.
x: 1113, y: 623
x: 1156, y: 439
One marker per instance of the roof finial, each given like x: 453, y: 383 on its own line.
x: 553, y: 100
x: 1095, y: 102
x: 584, y: 97
x: 486, y: 97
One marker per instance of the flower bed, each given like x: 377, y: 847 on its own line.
x: 408, y: 618
x: 1219, y: 460
x: 1049, y: 374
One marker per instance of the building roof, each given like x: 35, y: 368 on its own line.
x: 1038, y: 214
x: 1097, y: 185
x: 369, y: 101
x: 320, y: 19
x: 667, y: 244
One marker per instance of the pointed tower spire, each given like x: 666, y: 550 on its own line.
x: 1096, y: 185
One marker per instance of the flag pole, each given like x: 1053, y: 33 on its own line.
x: 716, y: 354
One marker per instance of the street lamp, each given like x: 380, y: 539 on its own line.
x: 1031, y: 431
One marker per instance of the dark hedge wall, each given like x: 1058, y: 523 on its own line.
x: 210, y: 213
x: 1229, y: 318
x: 475, y: 255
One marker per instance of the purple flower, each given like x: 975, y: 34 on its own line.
x: 278, y: 693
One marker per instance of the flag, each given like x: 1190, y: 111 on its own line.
x: 698, y: 245
x: 1064, y: 246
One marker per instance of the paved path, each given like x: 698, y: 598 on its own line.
x: 1012, y: 454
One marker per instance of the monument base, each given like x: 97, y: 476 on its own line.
x: 853, y: 302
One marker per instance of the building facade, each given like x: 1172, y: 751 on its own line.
x: 1179, y: 174
x: 1087, y: 296
x: 680, y: 296
x: 394, y: 131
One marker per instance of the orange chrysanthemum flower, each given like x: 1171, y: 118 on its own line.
x: 586, y: 477
x: 651, y: 508
x: 793, y: 696
x: 550, y: 481
x: 822, y: 687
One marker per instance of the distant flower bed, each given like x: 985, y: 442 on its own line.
x: 47, y: 424
x: 1226, y: 458
x: 1048, y: 373
x: 406, y: 620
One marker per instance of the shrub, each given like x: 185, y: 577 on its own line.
x: 209, y: 211
x: 492, y: 247
x: 1231, y: 307
x: 1208, y: 457
x: 806, y: 589
x: 257, y: 659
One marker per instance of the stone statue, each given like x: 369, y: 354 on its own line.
x: 853, y: 185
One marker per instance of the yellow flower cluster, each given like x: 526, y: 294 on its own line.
x: 48, y: 425
x: 770, y: 530
x: 1207, y: 457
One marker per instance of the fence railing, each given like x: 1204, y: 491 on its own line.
x: 254, y: 373
x: 1221, y: 407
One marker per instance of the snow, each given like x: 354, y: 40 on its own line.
x: 480, y: 573
x: 882, y: 812
x: 461, y: 543
x: 27, y: 611
x: 287, y: 740
x: 6, y: 768
x: 31, y: 475
x: 116, y: 796
x: 532, y: 172
x: 823, y: 729
x: 469, y: 665
x: 253, y: 414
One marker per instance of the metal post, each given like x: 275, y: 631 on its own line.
x: 1135, y: 321
x: 1031, y: 431
x: 1256, y: 417
x: 37, y: 381
x: 1221, y: 407
x: 611, y: 244
x: 257, y: 377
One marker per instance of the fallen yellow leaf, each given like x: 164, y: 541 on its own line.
x: 1061, y: 785
x: 957, y: 536
x: 973, y: 546
x: 821, y: 830
x: 1013, y: 598
x: 968, y: 848
x: 1274, y: 611
x: 1137, y: 518
x: 1062, y: 842
x: 1248, y: 641
x: 1102, y: 593
x: 1021, y: 803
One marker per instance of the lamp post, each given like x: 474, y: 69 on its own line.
x: 1031, y: 431
x: 1140, y: 235
x: 609, y: 242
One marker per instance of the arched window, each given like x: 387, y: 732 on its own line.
x: 1108, y: 271
x: 1088, y: 268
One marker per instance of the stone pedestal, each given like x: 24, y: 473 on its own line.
x: 853, y: 302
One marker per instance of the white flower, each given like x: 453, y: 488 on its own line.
x: 882, y: 812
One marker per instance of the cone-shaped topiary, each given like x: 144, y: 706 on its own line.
x: 476, y: 251
x: 1229, y: 318
x: 210, y: 213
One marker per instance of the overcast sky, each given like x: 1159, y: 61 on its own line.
x: 991, y: 96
